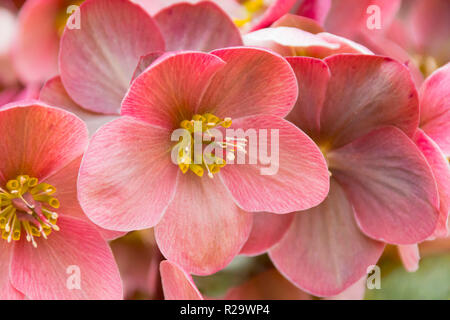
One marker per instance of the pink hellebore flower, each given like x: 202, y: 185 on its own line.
x: 362, y: 111
x: 47, y: 242
x: 433, y: 139
x: 98, y: 61
x: 128, y: 181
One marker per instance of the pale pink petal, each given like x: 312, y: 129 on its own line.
x: 276, y: 10
x: 203, y: 229
x: 366, y: 92
x: 38, y: 140
x: 289, y: 41
x: 65, y: 182
x: 154, y: 6
x: 324, y: 252
x: 202, y: 27
x: 54, y: 94
x: 441, y: 171
x: 312, y: 76
x: 177, y: 284
x: 267, y: 230
x: 36, y: 43
x: 254, y: 81
x: 169, y: 91
x: 7, y: 292
x: 126, y: 177
x: 435, y: 107
x: 390, y: 185
x: 50, y: 270
x: 345, y: 45
x: 97, y: 60
x: 268, y: 285
x: 299, y: 22
x: 315, y: 9
x: 294, y: 178
x: 355, y: 292
x: 410, y: 256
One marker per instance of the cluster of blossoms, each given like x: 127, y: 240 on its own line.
x: 355, y: 121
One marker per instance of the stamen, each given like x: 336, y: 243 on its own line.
x: 26, y: 205
x: 209, y: 163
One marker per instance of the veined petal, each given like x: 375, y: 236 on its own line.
x: 390, y: 185
x: 73, y: 263
x: 203, y: 229
x: 293, y: 177
x: 202, y: 26
x: 324, y: 252
x: 366, y: 92
x: 127, y: 178
x: 98, y: 59
x: 171, y: 89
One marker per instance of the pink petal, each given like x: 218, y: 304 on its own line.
x: 127, y: 178
x: 202, y: 26
x: 7, y: 292
x: 289, y: 41
x: 312, y: 76
x: 324, y: 252
x: 97, y: 61
x: 38, y: 140
x: 254, y: 81
x: 435, y: 107
x: 267, y: 230
x: 177, y: 284
x: 36, y: 42
x: 203, y: 229
x: 54, y: 94
x: 65, y: 182
x: 268, y: 285
x: 46, y: 272
x: 390, y: 185
x: 441, y: 171
x: 410, y: 256
x: 366, y: 92
x: 315, y: 9
x: 170, y: 90
x: 297, y: 180
x: 276, y: 10
x: 299, y: 22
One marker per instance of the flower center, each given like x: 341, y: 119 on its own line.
x: 251, y: 8
x: 26, y: 205
x: 210, y: 156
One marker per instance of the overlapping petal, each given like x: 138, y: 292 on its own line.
x: 202, y: 229
x: 177, y: 284
x: 98, y: 59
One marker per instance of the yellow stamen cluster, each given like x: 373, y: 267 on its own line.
x: 27, y: 205
x: 186, y: 156
x: 251, y: 7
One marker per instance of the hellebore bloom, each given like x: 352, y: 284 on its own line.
x: 433, y: 140
x: 98, y: 61
x: 128, y: 179
x: 362, y: 111
x: 50, y: 250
